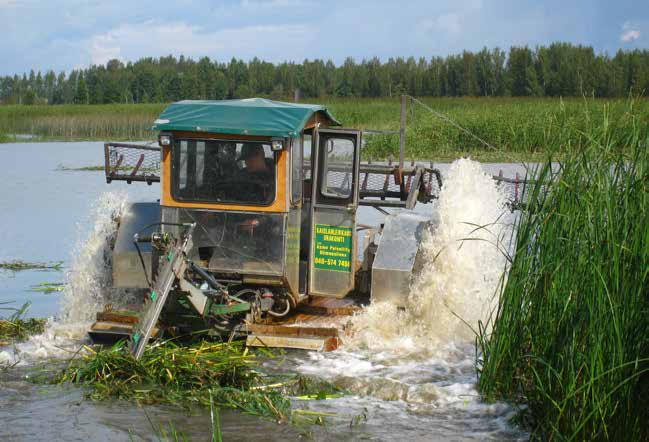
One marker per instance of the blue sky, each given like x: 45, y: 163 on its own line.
x: 67, y: 34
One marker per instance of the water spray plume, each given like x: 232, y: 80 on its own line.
x: 89, y: 277
x: 463, y: 265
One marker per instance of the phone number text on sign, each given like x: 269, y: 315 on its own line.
x: 333, y: 248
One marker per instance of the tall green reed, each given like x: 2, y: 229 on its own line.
x: 522, y: 127
x: 570, y: 337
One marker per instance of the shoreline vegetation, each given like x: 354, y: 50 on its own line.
x: 570, y: 336
x: 496, y: 129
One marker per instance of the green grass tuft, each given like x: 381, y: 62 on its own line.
x: 16, y: 327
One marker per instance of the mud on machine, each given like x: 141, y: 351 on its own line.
x: 255, y: 234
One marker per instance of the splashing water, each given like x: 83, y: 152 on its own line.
x: 89, y: 277
x: 86, y: 290
x: 422, y: 358
x: 464, y: 263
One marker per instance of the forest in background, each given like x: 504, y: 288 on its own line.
x: 560, y: 69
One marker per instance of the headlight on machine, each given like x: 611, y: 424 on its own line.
x: 165, y: 140
x: 277, y: 144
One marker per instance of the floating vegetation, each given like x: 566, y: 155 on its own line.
x: 102, y: 168
x: 208, y: 374
x: 48, y: 287
x: 17, y: 265
x: 16, y: 327
x: 570, y: 338
x: 62, y: 168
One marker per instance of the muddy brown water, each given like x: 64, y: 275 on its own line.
x: 402, y: 392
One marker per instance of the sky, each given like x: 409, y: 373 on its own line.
x: 69, y: 34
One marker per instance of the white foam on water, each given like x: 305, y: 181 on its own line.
x: 463, y: 266
x: 86, y: 290
x: 57, y: 341
x: 424, y: 355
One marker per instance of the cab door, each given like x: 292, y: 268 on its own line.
x: 333, y: 217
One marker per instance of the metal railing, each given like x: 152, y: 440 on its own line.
x: 132, y: 162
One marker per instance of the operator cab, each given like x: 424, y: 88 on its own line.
x: 231, y: 173
x: 237, y: 169
x: 216, y: 171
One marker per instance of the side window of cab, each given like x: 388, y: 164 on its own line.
x: 297, y: 154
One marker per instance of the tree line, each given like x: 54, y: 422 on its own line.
x: 560, y: 69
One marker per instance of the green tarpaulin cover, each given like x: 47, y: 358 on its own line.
x: 250, y: 116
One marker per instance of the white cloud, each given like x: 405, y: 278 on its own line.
x: 630, y: 31
x: 450, y: 23
x: 103, y: 48
x: 630, y: 35
x: 154, y: 38
x: 633, y: 30
x: 451, y: 20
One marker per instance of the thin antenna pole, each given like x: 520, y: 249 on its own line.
x: 402, y: 132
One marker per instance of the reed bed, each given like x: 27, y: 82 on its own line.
x: 515, y: 128
x: 570, y: 337
x: 81, y: 122
x: 19, y: 329
x: 507, y: 129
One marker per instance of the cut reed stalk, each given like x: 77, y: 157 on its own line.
x: 207, y: 374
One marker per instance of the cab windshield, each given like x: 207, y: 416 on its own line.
x: 223, y: 171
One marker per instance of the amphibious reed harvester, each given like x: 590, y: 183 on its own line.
x: 256, y: 233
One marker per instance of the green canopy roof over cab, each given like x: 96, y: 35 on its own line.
x: 250, y: 116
